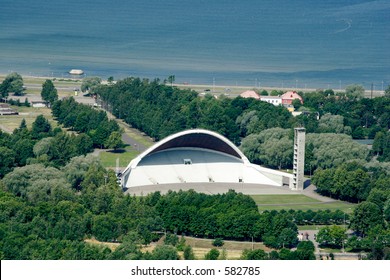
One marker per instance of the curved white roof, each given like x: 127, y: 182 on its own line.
x: 193, y: 138
x: 212, y: 157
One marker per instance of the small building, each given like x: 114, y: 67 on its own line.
x: 274, y: 100
x: 5, y: 109
x: 289, y: 96
x: 250, y: 94
x: 39, y: 104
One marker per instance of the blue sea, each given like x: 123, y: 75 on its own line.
x: 282, y: 43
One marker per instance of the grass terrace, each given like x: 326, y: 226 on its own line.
x: 298, y: 202
x: 108, y: 157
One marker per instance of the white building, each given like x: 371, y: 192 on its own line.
x: 274, y: 100
x: 197, y: 156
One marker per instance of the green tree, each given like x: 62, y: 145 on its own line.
x: 105, y: 227
x: 40, y: 128
x: 83, y: 144
x: 277, y: 153
x: 213, y: 254
x: 355, y: 91
x: 76, y: 170
x: 333, y: 236
x: 365, y: 216
x: 49, y: 92
x: 12, y: 83
x: 114, y: 141
x: 386, y: 210
x: 218, y: 242
x: 37, y: 182
x: 171, y: 79
x: 23, y: 151
x: 257, y: 254
x: 297, y: 104
x: 288, y: 238
x: 387, y: 91
x: 305, y: 250
x: 7, y: 160
x: 171, y: 239
x: 110, y: 80
x: 89, y: 84
x: 165, y: 252
x: 42, y: 147
x: 329, y: 123
x: 188, y: 253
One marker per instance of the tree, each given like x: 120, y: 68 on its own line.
x: 213, y: 254
x: 36, y: 182
x: 40, y: 128
x: 331, y: 124
x: 188, y: 253
x: 110, y: 80
x: 257, y: 254
x: 305, y: 250
x: 171, y: 239
x: 297, y: 104
x: 12, y: 83
x: 288, y: 238
x: 365, y: 216
x: 334, y: 149
x: 355, y: 91
x: 165, y: 252
x: 23, y: 150
x: 386, y: 210
x: 277, y: 153
x: 89, y: 84
x: 333, y: 236
x: 218, y: 242
x: 105, y: 227
x: 76, y: 170
x: 171, y: 79
x: 49, y: 92
x: 7, y: 160
x: 387, y: 91
x: 114, y: 141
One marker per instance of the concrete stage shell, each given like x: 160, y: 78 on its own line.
x: 195, y: 157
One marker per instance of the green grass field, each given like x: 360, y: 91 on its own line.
x: 108, y: 158
x: 298, y: 202
x: 9, y: 123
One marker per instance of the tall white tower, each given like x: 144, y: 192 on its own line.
x: 299, y: 159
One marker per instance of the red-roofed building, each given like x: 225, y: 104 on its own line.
x: 289, y: 96
x: 250, y: 94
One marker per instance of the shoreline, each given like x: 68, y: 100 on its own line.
x: 213, y: 88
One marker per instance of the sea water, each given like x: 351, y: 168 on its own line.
x: 283, y: 43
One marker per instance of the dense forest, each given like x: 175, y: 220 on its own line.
x: 85, y: 119
x: 160, y: 110
x: 54, y: 197
x: 47, y: 213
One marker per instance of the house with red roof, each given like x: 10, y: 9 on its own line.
x: 289, y: 96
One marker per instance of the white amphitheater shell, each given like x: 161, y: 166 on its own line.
x: 195, y: 156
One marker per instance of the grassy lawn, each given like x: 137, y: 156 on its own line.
x: 200, y: 247
x: 9, y: 123
x: 311, y: 227
x: 108, y: 158
x: 282, y: 199
x: 298, y: 202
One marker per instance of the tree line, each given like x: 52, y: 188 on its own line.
x: 40, y: 144
x: 86, y: 120
x: 48, y: 212
x: 160, y: 110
